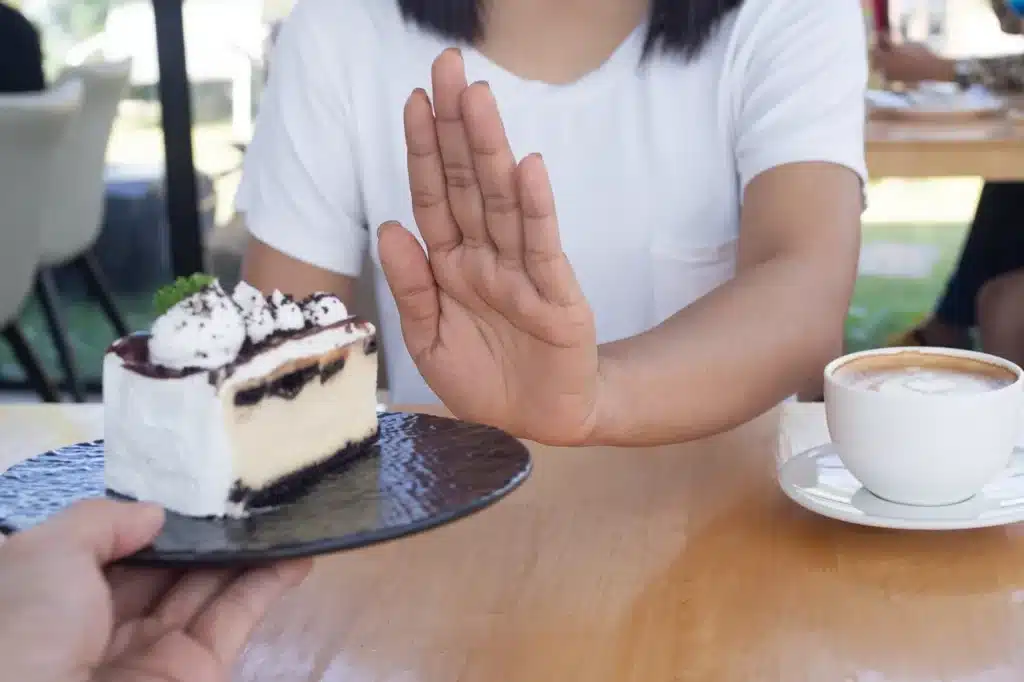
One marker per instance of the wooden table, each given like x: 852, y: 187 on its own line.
x: 993, y: 150
x: 666, y: 565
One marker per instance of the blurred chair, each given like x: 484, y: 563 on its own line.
x: 72, y: 220
x: 32, y: 130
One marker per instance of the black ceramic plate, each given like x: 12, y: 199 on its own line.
x: 423, y: 471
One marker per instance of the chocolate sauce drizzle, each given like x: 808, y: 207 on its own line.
x: 290, y: 385
x: 286, y: 386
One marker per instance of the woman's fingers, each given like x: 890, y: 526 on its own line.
x: 225, y: 626
x: 426, y: 176
x: 412, y: 284
x: 104, y: 529
x: 467, y: 189
x: 449, y: 81
x: 136, y: 590
x: 189, y: 596
x: 495, y: 167
x: 545, y: 261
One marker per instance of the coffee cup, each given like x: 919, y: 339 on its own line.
x: 924, y: 426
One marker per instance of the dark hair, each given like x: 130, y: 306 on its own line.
x: 676, y: 26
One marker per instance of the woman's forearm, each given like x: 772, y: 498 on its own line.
x: 723, y: 360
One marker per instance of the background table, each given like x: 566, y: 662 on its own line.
x: 993, y: 150
x: 662, y: 565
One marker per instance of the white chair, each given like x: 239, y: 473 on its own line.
x: 72, y: 221
x: 32, y: 129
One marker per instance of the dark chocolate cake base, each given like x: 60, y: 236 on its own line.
x: 295, y: 485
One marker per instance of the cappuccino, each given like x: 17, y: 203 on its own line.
x: 923, y: 373
x: 903, y: 441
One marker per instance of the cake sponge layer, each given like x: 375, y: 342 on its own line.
x: 282, y: 432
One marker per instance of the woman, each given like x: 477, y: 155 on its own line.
x: 995, y: 242
x: 708, y: 174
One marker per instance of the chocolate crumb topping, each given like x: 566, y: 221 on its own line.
x: 134, y: 351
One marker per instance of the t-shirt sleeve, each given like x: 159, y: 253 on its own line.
x: 300, y: 190
x: 802, y: 74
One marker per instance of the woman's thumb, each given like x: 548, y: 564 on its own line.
x: 408, y: 273
x: 106, y: 529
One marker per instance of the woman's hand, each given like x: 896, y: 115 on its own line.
x: 67, y: 616
x: 492, y: 314
x: 911, y: 63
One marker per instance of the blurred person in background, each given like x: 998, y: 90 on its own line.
x: 995, y: 242
x: 21, y: 54
x: 1001, y: 316
x: 914, y: 63
x: 655, y: 240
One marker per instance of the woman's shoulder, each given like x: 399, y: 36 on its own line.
x: 801, y: 13
x: 764, y: 29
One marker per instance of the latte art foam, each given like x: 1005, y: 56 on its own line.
x: 924, y: 381
x: 924, y: 374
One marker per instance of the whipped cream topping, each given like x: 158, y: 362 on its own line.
x: 287, y: 313
x: 248, y: 297
x: 324, y: 309
x: 205, y: 330
x: 209, y: 329
x: 256, y: 311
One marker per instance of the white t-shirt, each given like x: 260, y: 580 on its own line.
x: 648, y: 160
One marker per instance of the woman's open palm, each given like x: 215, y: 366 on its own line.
x: 492, y: 314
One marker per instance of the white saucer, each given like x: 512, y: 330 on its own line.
x: 818, y: 481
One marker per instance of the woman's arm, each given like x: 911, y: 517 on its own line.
x: 756, y: 339
x: 800, y: 156
x: 300, y: 187
x: 267, y: 269
x: 497, y: 323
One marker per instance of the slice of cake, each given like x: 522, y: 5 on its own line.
x: 235, y: 402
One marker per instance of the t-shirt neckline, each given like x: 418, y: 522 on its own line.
x: 627, y: 54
